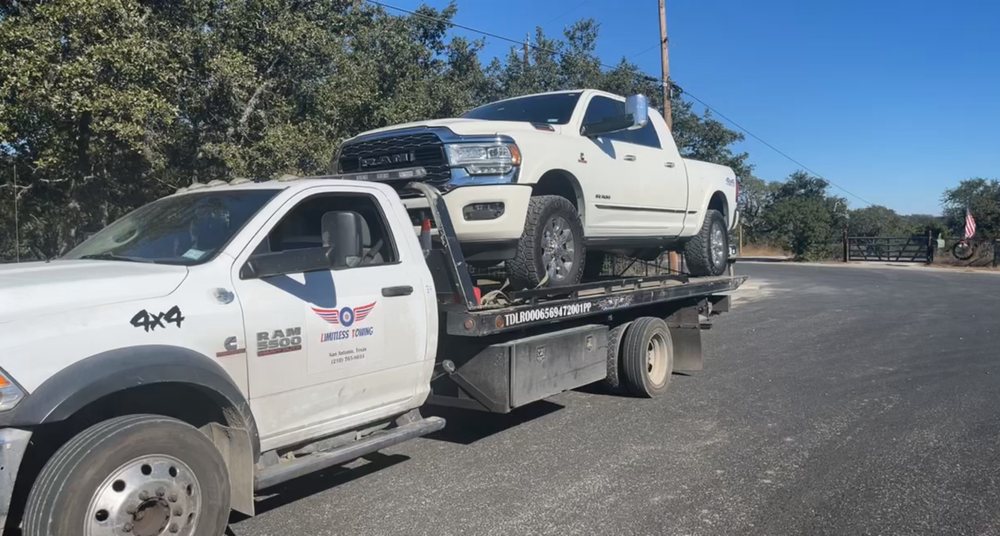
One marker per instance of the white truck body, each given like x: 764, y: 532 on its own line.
x: 632, y: 189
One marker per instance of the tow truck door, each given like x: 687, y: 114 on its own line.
x: 328, y: 345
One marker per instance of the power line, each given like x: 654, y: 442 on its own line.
x: 641, y: 74
x: 567, y: 12
x: 773, y: 148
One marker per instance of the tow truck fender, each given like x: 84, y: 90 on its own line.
x: 84, y: 382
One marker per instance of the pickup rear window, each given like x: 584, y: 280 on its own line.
x: 553, y: 109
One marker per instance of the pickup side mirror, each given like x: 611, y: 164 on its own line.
x: 635, y: 117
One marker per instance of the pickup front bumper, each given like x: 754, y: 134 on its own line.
x: 13, y: 444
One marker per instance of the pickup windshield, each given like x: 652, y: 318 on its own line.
x: 555, y: 108
x: 185, y: 229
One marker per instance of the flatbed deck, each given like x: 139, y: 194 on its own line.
x: 589, y: 299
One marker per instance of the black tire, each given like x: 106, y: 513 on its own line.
x: 963, y: 251
x: 613, y: 380
x: 526, y: 269
x: 643, y: 376
x: 187, y: 483
x: 698, y: 250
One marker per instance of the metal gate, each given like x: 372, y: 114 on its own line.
x: 888, y: 249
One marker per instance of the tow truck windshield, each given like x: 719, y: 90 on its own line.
x: 185, y: 229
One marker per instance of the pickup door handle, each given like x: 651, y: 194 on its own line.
x: 402, y: 290
x: 669, y: 164
x: 630, y: 157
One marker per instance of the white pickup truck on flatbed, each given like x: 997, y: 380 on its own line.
x: 552, y: 182
x: 231, y: 337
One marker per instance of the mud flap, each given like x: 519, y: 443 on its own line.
x: 236, y: 449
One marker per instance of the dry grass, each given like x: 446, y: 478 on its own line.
x: 754, y: 250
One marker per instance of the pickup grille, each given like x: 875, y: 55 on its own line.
x: 411, y: 150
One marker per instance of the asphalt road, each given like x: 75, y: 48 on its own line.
x: 835, y: 400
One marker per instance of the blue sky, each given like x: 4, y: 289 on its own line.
x: 895, y: 100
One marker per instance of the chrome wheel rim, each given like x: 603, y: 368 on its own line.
x: 656, y: 359
x: 558, y: 249
x: 148, y: 496
x: 718, y: 245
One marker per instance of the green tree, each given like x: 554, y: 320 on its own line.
x: 877, y: 220
x: 107, y: 104
x: 802, y: 217
x: 982, y: 198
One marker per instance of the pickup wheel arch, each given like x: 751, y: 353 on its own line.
x: 718, y: 202
x: 564, y: 184
x: 116, y: 371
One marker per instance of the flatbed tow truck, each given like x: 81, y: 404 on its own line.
x: 302, y: 327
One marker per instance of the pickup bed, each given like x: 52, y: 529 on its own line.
x: 231, y: 337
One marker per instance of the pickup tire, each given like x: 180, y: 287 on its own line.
x: 138, y: 474
x: 613, y: 382
x: 551, y: 245
x: 647, y: 357
x: 707, y: 253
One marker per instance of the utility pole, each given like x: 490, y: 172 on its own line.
x: 665, y: 60
x: 673, y: 258
x: 17, y: 226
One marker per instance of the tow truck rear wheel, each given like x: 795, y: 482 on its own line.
x: 138, y: 475
x: 647, y: 357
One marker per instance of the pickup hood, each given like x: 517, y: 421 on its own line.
x: 38, y: 288
x: 466, y: 127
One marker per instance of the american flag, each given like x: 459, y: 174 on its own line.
x: 970, y: 224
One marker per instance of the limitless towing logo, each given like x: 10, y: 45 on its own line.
x: 345, y: 316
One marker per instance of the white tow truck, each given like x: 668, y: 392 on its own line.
x: 233, y: 336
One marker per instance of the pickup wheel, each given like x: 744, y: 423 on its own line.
x: 647, y: 357
x: 551, y: 248
x: 707, y: 253
x: 138, y: 475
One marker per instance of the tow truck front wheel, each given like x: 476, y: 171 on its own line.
x: 138, y: 475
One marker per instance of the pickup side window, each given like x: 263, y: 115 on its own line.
x: 302, y: 229
x: 601, y: 108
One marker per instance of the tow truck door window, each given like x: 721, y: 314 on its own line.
x: 326, y: 344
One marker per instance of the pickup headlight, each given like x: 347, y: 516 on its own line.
x: 10, y: 392
x: 484, y: 158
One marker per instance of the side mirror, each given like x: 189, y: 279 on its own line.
x: 343, y: 235
x: 637, y: 106
x: 635, y: 117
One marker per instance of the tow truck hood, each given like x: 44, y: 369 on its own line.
x: 467, y: 127
x: 39, y: 288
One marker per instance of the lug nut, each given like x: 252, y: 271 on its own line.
x: 143, y: 495
x: 174, y: 527
x: 178, y: 511
x: 160, y: 492
x: 127, y: 527
x: 172, y: 497
x: 131, y: 509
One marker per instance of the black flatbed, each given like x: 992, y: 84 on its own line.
x: 589, y: 299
